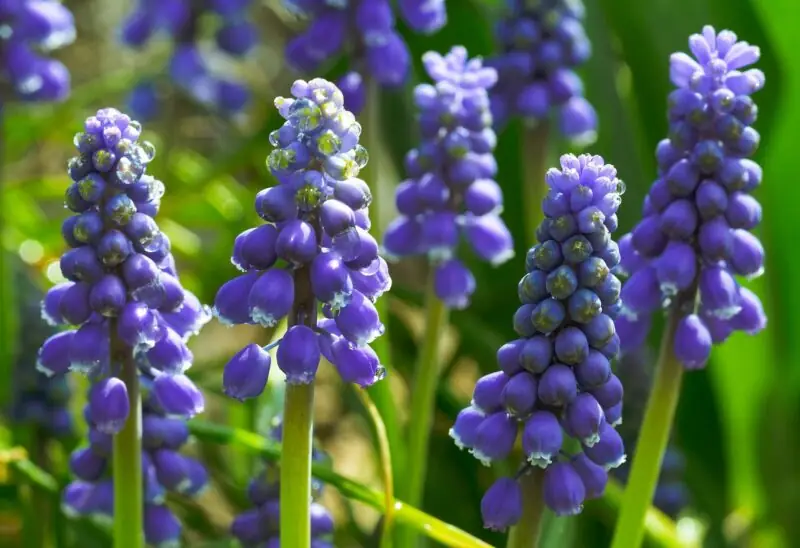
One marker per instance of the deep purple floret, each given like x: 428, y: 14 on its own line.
x: 31, y: 29
x: 450, y: 193
x: 366, y: 31
x: 260, y: 524
x: 542, y: 45
x: 314, y: 254
x: 164, y: 470
x: 694, y: 240
x: 556, y: 380
x: 188, y: 70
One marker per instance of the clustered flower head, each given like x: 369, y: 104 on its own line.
x: 182, y: 20
x: 634, y: 370
x: 451, y: 189
x: 314, y: 249
x: 366, y: 30
x: 260, y: 526
x: 164, y: 468
x: 694, y: 236
x: 28, y: 30
x: 543, y: 41
x: 556, y: 378
x: 37, y: 400
x: 123, y: 296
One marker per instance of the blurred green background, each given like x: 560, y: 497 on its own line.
x: 738, y: 421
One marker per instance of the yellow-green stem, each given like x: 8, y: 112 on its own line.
x: 295, y: 466
x: 534, y: 188
x: 423, y: 395
x: 386, y: 465
x: 526, y: 533
x: 653, y: 438
x: 382, y: 191
x: 127, y: 462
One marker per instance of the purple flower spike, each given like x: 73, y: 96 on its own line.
x: 564, y: 492
x: 556, y: 379
x: 451, y: 190
x: 109, y: 405
x: 36, y: 27
x: 501, y: 506
x: 180, y: 21
x: 317, y: 221
x: 541, y: 46
x: 245, y: 376
x: 694, y: 237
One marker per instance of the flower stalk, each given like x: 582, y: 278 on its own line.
x: 534, y: 189
x: 296, y: 466
x: 526, y: 533
x: 424, y: 392
x: 127, y: 460
x: 652, y: 443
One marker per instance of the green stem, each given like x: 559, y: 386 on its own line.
x: 660, y: 531
x: 296, y: 466
x: 653, y: 438
x: 426, y: 376
x: 534, y: 188
x: 127, y: 461
x: 381, y: 392
x: 526, y: 533
x: 386, y: 465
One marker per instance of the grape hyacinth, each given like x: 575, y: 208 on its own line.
x: 164, y: 468
x: 451, y: 191
x: 314, y: 249
x: 123, y: 296
x: 181, y: 20
x: 260, y: 526
x: 121, y: 278
x: 542, y: 43
x: 30, y: 29
x: 634, y: 369
x: 556, y: 378
x: 694, y: 236
x: 314, y: 252
x: 366, y: 30
x: 37, y: 400
x: 692, y: 241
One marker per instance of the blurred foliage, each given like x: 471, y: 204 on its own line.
x: 737, y: 419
